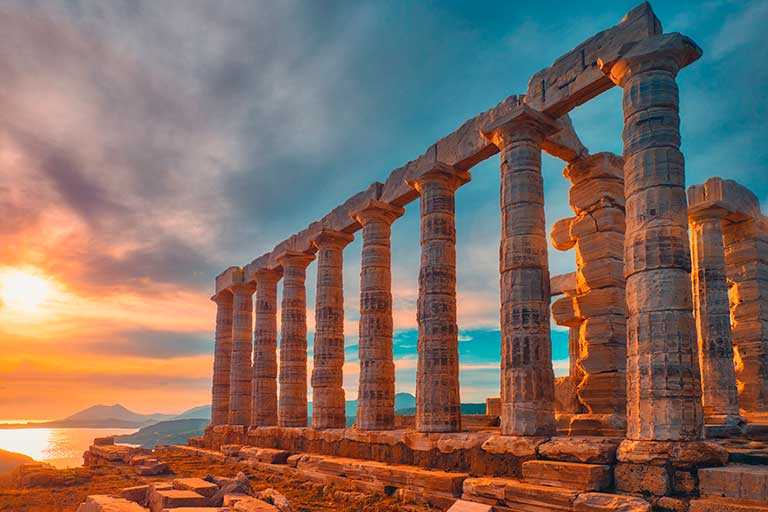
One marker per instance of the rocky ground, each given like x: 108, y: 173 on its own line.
x: 53, y: 490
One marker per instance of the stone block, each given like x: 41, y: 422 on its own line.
x: 268, y: 455
x: 600, y: 273
x: 519, y: 446
x: 726, y: 505
x: 469, y: 506
x: 249, y: 504
x: 599, y: 502
x: 586, y: 194
x: 642, y: 478
x: 137, y: 493
x: 600, y: 245
x: 560, y: 235
x: 104, y: 441
x: 102, y: 503
x: 595, y: 450
x: 230, y: 450
x: 198, y: 485
x: 198, y: 509
x: 571, y: 475
x: 563, y: 284
x: 519, y: 495
x: 566, y: 400
x: 161, y: 499
x: 735, y: 481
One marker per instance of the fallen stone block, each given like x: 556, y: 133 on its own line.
x: 251, y: 504
x: 137, y: 494
x: 101, y: 503
x: 735, y: 481
x: 230, y: 450
x: 268, y: 455
x: 599, y: 502
x: 104, y: 441
x: 154, y: 469
x: 275, y: 498
x: 198, y: 485
x: 571, y: 475
x: 594, y: 450
x: 712, y: 504
x: 470, y: 506
x: 173, y: 498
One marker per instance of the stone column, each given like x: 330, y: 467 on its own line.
x: 222, y: 359
x: 264, y: 405
x: 711, y: 312
x: 292, y: 408
x: 438, y: 403
x: 376, y: 389
x: 527, y: 378
x: 242, y: 348
x: 663, y: 378
x: 746, y: 257
x: 328, y: 405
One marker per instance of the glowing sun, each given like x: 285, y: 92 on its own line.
x: 24, y: 291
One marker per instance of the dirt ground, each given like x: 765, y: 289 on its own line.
x: 68, y: 488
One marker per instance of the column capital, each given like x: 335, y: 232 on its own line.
x: 668, y: 52
x: 223, y: 297
x: 377, y: 210
x: 266, y: 274
x: 523, y: 123
x: 294, y: 258
x: 707, y: 211
x: 440, y: 173
x: 329, y: 238
x: 242, y: 289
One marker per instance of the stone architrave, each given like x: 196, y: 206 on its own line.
x: 663, y: 377
x: 264, y: 392
x: 376, y: 388
x: 438, y: 402
x: 292, y: 375
x: 595, y: 310
x: 222, y: 359
x: 242, y: 349
x: 328, y: 404
x: 711, y: 312
x: 746, y: 258
x: 527, y: 378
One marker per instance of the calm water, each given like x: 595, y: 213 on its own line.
x: 62, y: 447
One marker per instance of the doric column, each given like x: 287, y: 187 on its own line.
x: 222, y: 359
x: 711, y: 311
x: 376, y: 388
x: 242, y: 348
x: 438, y: 403
x: 663, y: 378
x: 527, y: 379
x: 328, y: 406
x: 292, y: 409
x: 264, y: 405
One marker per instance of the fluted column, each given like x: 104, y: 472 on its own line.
x: 222, y: 359
x: 264, y: 383
x: 663, y: 378
x: 527, y: 378
x: 292, y: 407
x: 711, y: 311
x: 242, y: 348
x: 328, y: 405
x: 376, y: 388
x: 438, y: 402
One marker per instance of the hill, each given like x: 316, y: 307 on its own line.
x: 165, y: 432
x: 202, y: 411
x: 10, y: 460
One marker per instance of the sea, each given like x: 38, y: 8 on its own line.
x: 61, y: 447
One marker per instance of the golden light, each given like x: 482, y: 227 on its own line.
x: 24, y: 291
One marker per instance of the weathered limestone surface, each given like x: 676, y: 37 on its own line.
x: 264, y: 407
x: 735, y: 481
x: 663, y: 384
x: 222, y: 359
x: 746, y: 257
x: 292, y: 408
x: 376, y: 390
x: 527, y: 378
x: 711, y: 311
x: 438, y: 404
x: 328, y: 404
x: 242, y: 349
x: 570, y: 475
x: 103, y: 503
x: 594, y: 311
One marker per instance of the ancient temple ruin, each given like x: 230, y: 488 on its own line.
x: 667, y: 312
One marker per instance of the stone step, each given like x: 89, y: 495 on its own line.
x: 712, y: 504
x: 570, y: 475
x: 748, y: 456
x: 160, y: 499
x: 102, y: 503
x: 740, y: 481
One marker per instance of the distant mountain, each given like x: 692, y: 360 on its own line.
x: 465, y: 409
x: 10, y: 460
x: 165, y: 432
x: 202, y: 411
x: 115, y: 412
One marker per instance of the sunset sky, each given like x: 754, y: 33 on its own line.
x: 147, y: 145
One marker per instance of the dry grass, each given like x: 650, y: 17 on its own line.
x: 73, y: 485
